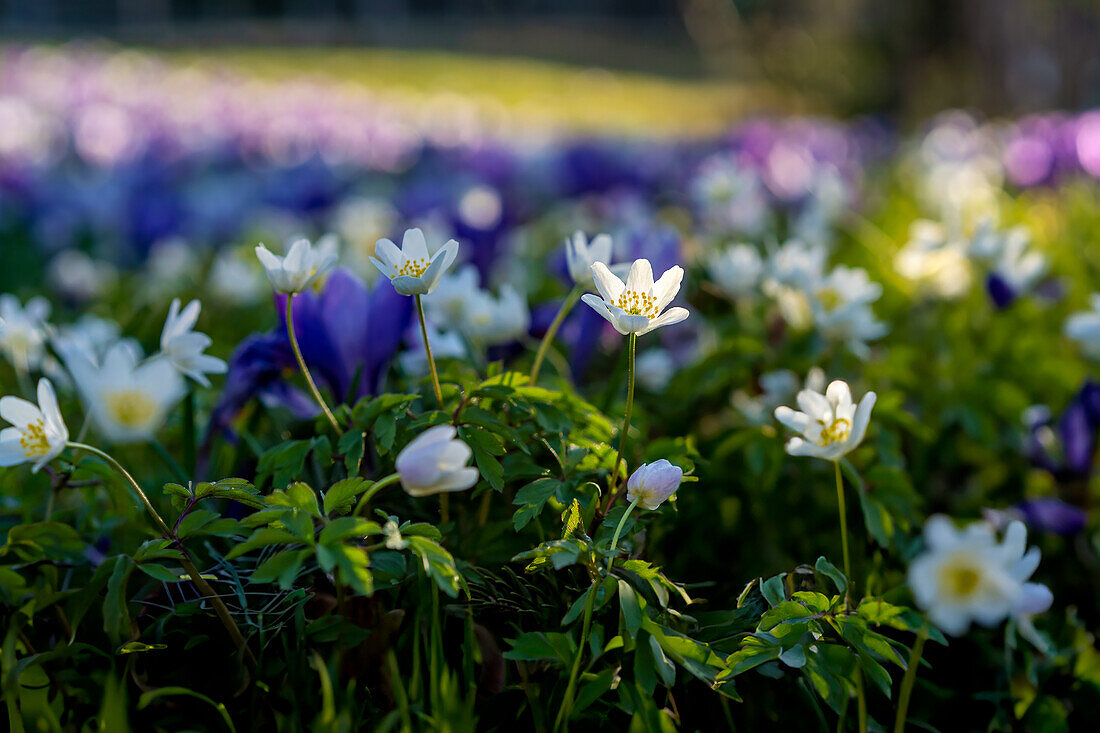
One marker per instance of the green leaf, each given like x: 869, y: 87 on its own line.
x: 116, y: 616
x: 631, y: 608
x: 831, y: 572
x: 490, y: 469
x: 438, y: 563
x: 539, y: 645
x: 161, y: 573
x: 283, y: 567
x: 351, y: 446
x: 772, y: 589
x: 340, y: 498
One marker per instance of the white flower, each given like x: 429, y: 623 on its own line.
x: 184, y: 346
x: 831, y: 424
x: 360, y: 222
x: 936, y: 261
x: 490, y: 320
x: 1018, y: 265
x: 798, y: 265
x: 965, y: 576
x: 410, y: 269
x: 581, y: 254
x: 435, y: 461
x: 1084, y: 328
x: 394, y: 540
x: 653, y: 483
x: 23, y: 338
x: 233, y: 279
x: 776, y: 388
x: 303, y: 264
x: 75, y: 275
x: 736, y: 270
x: 853, y: 324
x: 172, y: 265
x: 37, y: 434
x: 452, y: 296
x: 128, y: 402
x: 635, y: 307
x: 655, y: 369
x: 445, y: 345
x: 730, y: 196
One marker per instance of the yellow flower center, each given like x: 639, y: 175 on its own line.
x: 829, y: 298
x: 130, y: 408
x: 413, y: 267
x: 637, y: 304
x: 959, y: 579
x: 836, y: 432
x: 33, y: 441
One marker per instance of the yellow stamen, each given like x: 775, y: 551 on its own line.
x: 837, y: 432
x: 637, y: 304
x: 33, y: 441
x: 130, y: 407
x: 959, y: 579
x: 413, y: 267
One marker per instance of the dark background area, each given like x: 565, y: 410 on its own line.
x: 908, y: 58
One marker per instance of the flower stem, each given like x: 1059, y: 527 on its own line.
x: 861, y: 702
x: 428, y: 352
x: 844, y: 532
x: 552, y: 331
x: 374, y: 489
x: 185, y: 557
x: 618, y: 531
x: 909, y: 679
x: 302, y: 365
x: 631, y: 348
x: 566, y: 709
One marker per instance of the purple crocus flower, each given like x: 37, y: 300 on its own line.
x: 1046, y: 514
x: 1066, y: 448
x: 347, y: 334
x: 1000, y: 292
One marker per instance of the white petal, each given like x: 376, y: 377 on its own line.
x: 409, y: 285
x: 796, y: 421
x: 813, y: 403
x: 385, y: 269
x: 597, y: 304
x: 862, y: 417
x: 599, y: 249
x: 640, y: 277
x: 665, y: 289
x: 607, y: 283
x: 18, y: 411
x: 839, y: 393
x: 413, y: 245
x: 389, y: 253
x: 669, y: 317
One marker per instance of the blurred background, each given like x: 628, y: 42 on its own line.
x: 905, y: 59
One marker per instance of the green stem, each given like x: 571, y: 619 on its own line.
x: 562, y: 720
x: 302, y: 365
x: 428, y: 352
x: 618, y: 531
x: 844, y: 532
x: 909, y: 679
x: 631, y: 348
x: 552, y: 331
x: 374, y: 489
x: 185, y: 558
x: 861, y: 702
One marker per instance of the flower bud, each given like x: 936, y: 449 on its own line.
x: 435, y: 461
x: 652, y: 483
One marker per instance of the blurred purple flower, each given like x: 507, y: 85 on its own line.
x: 1046, y: 514
x: 348, y: 335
